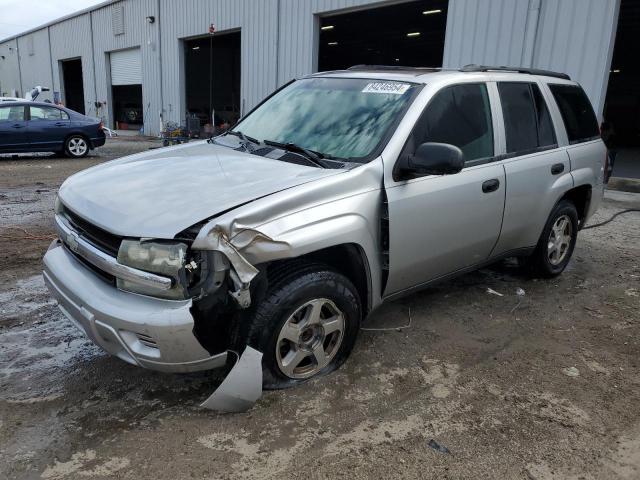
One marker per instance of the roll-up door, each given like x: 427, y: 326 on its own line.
x: 126, y: 67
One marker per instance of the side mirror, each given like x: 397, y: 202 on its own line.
x: 433, y: 159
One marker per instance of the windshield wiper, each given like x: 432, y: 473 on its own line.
x: 311, y: 156
x: 245, y: 141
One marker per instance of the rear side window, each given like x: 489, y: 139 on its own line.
x: 47, y: 113
x: 577, y: 112
x: 527, y: 121
x: 12, y: 114
x: 459, y: 115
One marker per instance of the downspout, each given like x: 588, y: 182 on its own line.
x: 530, y: 33
x: 277, y: 43
x: 161, y: 71
x: 19, y: 69
x: 93, y: 65
x: 53, y: 86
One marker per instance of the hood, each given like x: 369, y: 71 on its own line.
x: 160, y: 193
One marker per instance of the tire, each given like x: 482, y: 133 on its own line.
x: 561, y: 230
x: 303, y: 301
x: 76, y: 146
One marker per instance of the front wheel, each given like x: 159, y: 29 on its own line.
x: 557, y: 241
x: 306, y: 325
x: 76, y: 146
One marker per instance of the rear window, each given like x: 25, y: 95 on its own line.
x: 526, y: 117
x: 577, y: 112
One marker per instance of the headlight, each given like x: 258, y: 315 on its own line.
x: 167, y: 259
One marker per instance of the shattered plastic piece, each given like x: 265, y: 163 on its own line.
x: 436, y: 446
x: 243, y: 386
x: 571, y: 372
x: 493, y: 292
x: 242, y: 267
x: 520, y: 292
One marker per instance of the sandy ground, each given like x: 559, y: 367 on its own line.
x: 491, y: 379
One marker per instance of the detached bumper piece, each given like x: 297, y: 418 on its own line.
x: 241, y: 388
x: 144, y: 331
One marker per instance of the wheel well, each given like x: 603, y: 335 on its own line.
x: 350, y: 260
x: 78, y: 134
x: 580, y: 197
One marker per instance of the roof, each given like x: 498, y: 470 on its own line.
x: 424, y: 74
x: 59, y: 19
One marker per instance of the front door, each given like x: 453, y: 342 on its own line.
x: 47, y: 127
x: 441, y: 224
x: 13, y: 128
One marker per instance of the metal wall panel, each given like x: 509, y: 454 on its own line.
x: 491, y: 32
x: 577, y: 37
x: 9, y: 68
x: 298, y: 24
x: 572, y: 36
x: 138, y: 32
x: 256, y: 20
x: 35, y: 68
x: 72, y: 39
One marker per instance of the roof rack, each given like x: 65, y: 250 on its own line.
x: 530, y: 71
x: 394, y: 68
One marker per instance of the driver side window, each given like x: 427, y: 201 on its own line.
x: 459, y: 115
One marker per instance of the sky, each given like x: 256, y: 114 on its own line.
x: 19, y: 15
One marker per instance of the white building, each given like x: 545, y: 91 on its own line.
x: 129, y: 61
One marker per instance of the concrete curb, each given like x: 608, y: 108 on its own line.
x: 624, y: 184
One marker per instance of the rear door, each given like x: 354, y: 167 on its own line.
x: 586, y: 149
x: 13, y: 128
x: 47, y: 127
x: 441, y: 224
x: 537, y: 168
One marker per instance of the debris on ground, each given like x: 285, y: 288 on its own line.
x: 571, y: 372
x: 493, y: 292
x: 520, y: 292
x: 436, y: 446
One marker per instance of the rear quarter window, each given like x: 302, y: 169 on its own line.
x: 577, y: 113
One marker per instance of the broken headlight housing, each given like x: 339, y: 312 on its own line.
x: 168, y: 259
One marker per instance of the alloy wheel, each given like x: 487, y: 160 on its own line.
x: 559, y: 240
x: 77, y: 146
x: 310, y: 338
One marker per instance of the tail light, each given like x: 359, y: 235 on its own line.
x: 606, y: 167
x: 101, y: 125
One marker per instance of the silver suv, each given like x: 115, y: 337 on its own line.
x: 340, y: 191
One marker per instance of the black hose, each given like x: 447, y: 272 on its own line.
x: 612, y: 217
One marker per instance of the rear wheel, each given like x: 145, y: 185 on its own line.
x: 76, y: 146
x: 557, y: 241
x: 305, y: 326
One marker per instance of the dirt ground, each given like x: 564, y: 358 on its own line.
x: 488, y: 378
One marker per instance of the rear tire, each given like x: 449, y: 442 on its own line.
x: 76, y: 146
x: 305, y: 325
x: 557, y: 241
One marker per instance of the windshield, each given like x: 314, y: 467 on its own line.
x: 339, y: 117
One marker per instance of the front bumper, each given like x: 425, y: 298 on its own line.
x: 148, y: 332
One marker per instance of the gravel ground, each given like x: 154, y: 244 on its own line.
x: 540, y: 386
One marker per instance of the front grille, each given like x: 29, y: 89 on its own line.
x: 107, y: 277
x: 99, y: 238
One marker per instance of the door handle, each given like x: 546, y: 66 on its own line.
x: 490, y: 185
x: 17, y: 125
x: 557, y: 168
x: 60, y: 124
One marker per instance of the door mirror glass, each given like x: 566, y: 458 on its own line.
x: 434, y: 159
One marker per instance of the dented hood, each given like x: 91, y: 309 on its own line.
x: 161, y: 192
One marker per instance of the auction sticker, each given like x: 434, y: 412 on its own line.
x: 394, y: 88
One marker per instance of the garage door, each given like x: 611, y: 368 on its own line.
x: 126, y: 67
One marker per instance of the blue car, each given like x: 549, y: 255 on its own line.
x: 44, y: 127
